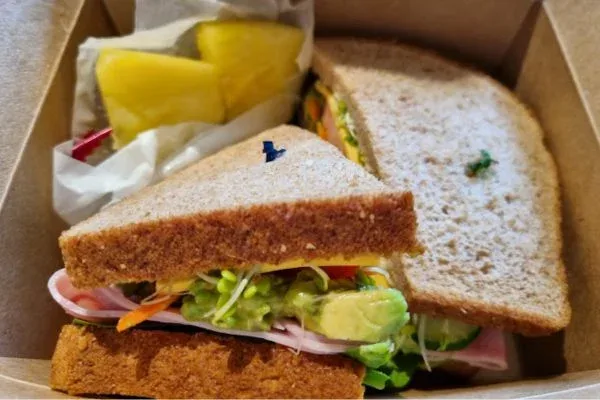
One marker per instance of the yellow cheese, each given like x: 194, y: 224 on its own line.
x: 174, y: 286
x: 141, y: 91
x: 351, y: 152
x: 380, y: 280
x: 324, y: 90
x: 363, y: 260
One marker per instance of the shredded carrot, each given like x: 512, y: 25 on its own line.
x: 313, y: 108
x: 322, y: 131
x: 143, y: 312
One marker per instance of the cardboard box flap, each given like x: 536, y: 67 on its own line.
x: 26, y: 378
x: 549, y: 84
x: 581, y: 385
x: 420, y: 21
x: 576, y: 23
x: 29, y: 62
x: 29, y: 228
x: 478, y: 32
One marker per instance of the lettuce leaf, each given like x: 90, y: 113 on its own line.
x: 387, y: 367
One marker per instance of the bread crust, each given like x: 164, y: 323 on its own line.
x: 241, y: 238
x: 472, y: 311
x: 163, y: 364
x: 233, y: 210
x: 453, y: 278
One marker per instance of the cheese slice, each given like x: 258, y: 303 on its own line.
x: 351, y: 152
x: 172, y: 286
x: 363, y: 260
x: 380, y: 280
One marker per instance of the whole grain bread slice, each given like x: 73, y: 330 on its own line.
x: 493, y: 241
x: 234, y: 210
x: 162, y: 364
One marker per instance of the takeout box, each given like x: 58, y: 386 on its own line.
x: 545, y: 51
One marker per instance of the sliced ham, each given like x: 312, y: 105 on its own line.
x: 487, y: 351
x: 111, y: 304
x: 333, y: 134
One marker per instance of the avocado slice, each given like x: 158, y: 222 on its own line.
x: 364, y: 316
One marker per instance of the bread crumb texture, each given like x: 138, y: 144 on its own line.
x: 233, y: 210
x: 162, y: 364
x: 493, y: 241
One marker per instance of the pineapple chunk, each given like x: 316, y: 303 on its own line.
x: 142, y: 91
x: 256, y: 59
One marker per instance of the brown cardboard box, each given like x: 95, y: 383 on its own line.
x: 544, y: 50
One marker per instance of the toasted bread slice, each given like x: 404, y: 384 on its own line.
x: 163, y: 364
x: 234, y: 210
x: 493, y: 241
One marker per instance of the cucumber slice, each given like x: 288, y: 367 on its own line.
x: 443, y: 334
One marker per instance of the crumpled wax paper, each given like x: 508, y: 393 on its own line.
x: 167, y: 27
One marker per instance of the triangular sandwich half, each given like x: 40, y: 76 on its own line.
x: 486, y: 189
x: 285, y: 251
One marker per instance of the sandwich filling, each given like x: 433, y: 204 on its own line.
x: 326, y: 114
x: 320, y: 309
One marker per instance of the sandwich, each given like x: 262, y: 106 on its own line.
x: 256, y: 272
x: 486, y: 189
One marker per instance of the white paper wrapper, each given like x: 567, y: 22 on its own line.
x: 80, y: 190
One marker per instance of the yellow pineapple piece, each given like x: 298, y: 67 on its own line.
x: 142, y: 91
x: 256, y: 59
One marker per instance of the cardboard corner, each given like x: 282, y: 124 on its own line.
x: 122, y: 14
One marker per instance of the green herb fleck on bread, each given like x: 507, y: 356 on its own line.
x: 481, y: 165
